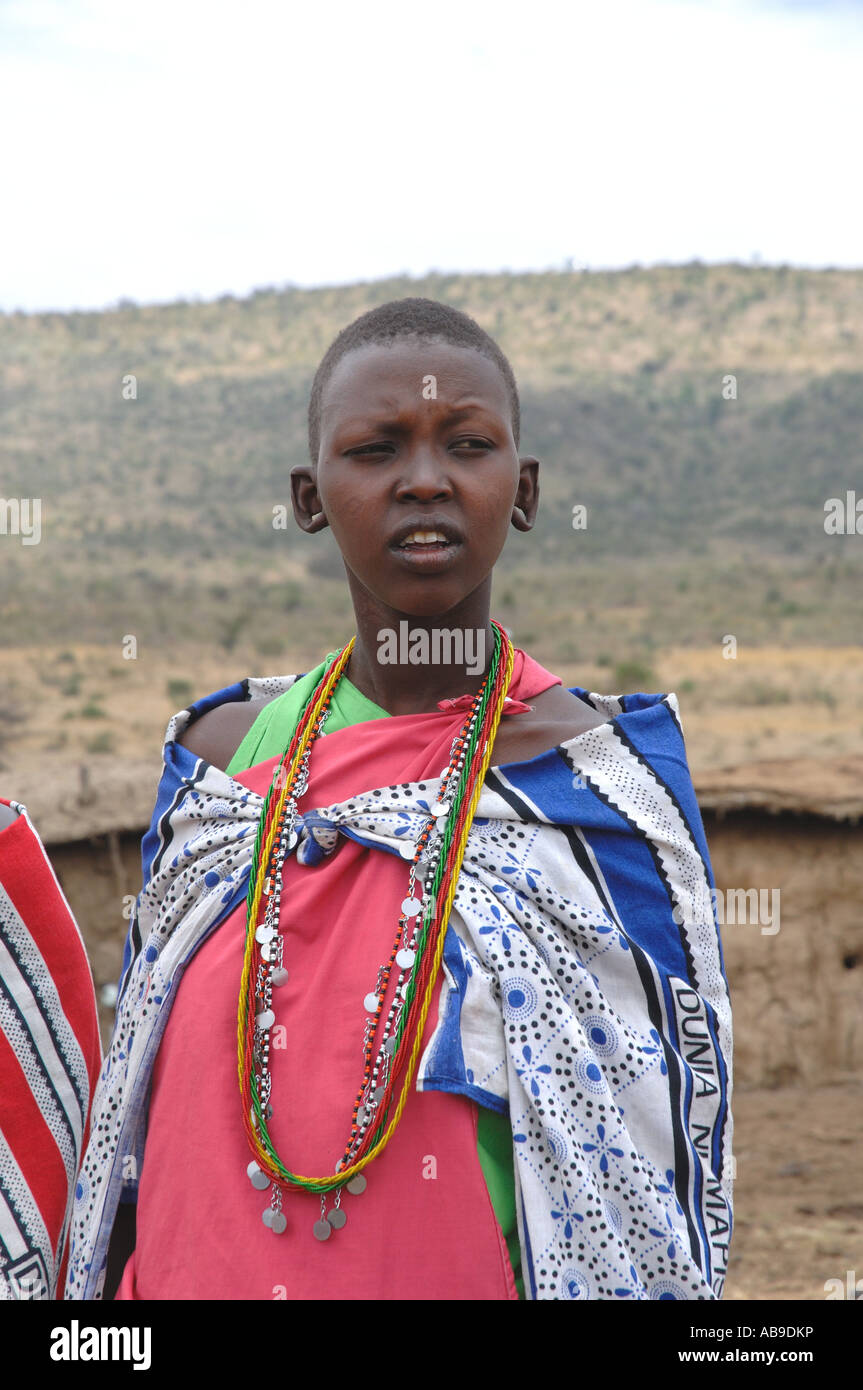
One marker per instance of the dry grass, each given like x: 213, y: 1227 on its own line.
x: 767, y: 703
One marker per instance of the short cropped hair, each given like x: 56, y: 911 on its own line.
x: 408, y: 318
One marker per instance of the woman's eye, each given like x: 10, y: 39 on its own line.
x: 369, y: 449
x: 472, y: 442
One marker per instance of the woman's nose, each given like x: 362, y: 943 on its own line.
x: 425, y: 474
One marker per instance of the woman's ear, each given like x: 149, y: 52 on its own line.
x: 305, y: 499
x: 527, y: 496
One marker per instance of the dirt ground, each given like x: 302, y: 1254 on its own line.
x: 798, y: 1194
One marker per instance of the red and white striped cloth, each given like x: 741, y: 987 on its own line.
x: 50, y: 1056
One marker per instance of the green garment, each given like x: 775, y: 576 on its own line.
x: 268, y: 737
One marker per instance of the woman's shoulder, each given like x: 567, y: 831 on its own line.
x: 217, y: 735
x: 555, y: 717
x: 573, y: 714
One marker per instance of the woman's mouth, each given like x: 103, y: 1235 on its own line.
x: 418, y: 539
x: 426, y: 549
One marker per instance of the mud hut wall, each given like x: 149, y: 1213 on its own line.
x: 796, y: 992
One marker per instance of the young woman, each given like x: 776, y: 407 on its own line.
x: 419, y: 1000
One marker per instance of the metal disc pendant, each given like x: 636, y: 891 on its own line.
x: 336, y: 1218
x: 292, y: 839
x: 266, y: 954
x: 440, y: 824
x: 357, y: 1184
x: 267, y: 1216
x: 264, y: 935
x: 407, y: 850
x: 265, y: 1020
x: 411, y: 907
x: 370, y: 1003
x: 441, y: 808
x: 322, y: 1230
x: 390, y: 1046
x: 361, y: 1115
x: 257, y: 1177
x: 279, y: 1222
x: 279, y: 976
x: 405, y: 958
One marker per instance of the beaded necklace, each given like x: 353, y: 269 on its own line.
x: 417, y: 948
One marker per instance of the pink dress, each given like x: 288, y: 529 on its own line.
x: 425, y: 1227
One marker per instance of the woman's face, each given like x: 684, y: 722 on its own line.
x: 417, y: 434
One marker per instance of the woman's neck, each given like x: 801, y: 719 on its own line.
x: 406, y: 663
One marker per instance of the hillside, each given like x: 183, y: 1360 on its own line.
x: 705, y: 515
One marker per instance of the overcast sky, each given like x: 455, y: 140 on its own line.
x: 184, y: 148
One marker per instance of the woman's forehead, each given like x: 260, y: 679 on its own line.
x: 384, y: 376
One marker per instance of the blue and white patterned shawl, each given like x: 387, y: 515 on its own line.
x: 584, y: 993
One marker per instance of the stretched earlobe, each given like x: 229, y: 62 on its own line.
x: 523, y: 517
x: 304, y: 495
